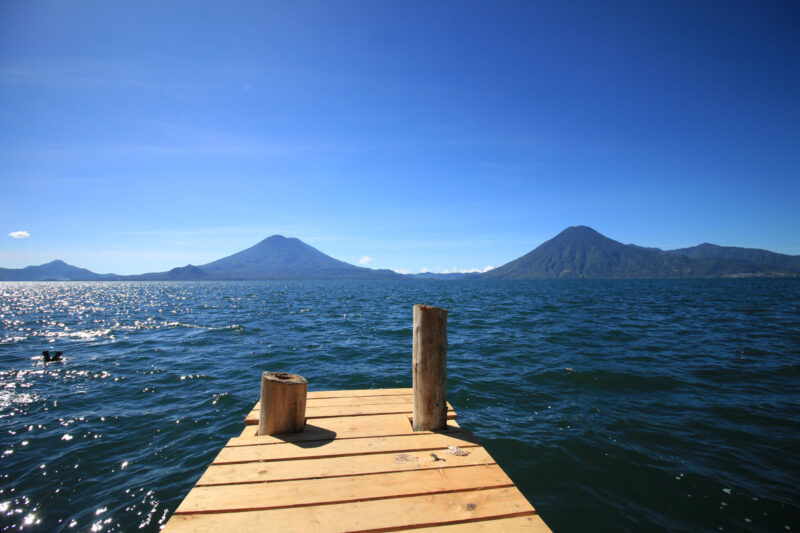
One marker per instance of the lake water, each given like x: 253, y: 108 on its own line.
x: 645, y: 405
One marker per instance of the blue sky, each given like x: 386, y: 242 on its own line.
x: 139, y: 136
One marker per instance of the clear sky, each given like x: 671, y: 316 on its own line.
x: 140, y: 136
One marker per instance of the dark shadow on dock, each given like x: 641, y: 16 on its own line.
x: 461, y: 433
x: 313, y: 437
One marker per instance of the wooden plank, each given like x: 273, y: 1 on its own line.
x: 404, y: 399
x: 359, y: 400
x: 357, y: 392
x: 338, y: 466
x: 337, y: 428
x: 527, y: 524
x: 333, y: 411
x: 367, y: 445
x: 373, y: 515
x: 249, y: 497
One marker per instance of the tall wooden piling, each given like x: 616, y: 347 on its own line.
x: 429, y: 360
x: 283, y: 403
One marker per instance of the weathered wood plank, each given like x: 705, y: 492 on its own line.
x: 340, y: 447
x: 357, y: 392
x: 333, y: 411
x: 336, y: 428
x: 373, y: 515
x: 249, y: 497
x: 339, y: 466
x: 527, y: 524
x: 355, y: 401
x: 359, y: 400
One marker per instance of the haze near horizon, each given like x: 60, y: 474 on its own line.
x: 139, y: 137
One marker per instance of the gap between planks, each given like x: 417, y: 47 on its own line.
x: 347, y: 447
x: 313, y: 395
x: 374, y: 515
x: 340, y: 428
x: 225, y: 474
x: 359, y: 400
x: 525, y: 523
x: 326, y: 491
x: 337, y: 411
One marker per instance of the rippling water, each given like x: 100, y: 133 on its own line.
x: 614, y: 405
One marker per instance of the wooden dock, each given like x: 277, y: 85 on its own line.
x: 357, y: 466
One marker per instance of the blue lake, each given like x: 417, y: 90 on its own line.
x: 642, y: 405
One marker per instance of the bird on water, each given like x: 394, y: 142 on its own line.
x: 51, y: 358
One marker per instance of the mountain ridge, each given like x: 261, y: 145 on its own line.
x: 752, y: 255
x: 578, y: 252
x: 582, y: 252
x: 56, y: 270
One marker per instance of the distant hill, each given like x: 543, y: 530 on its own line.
x: 762, y: 258
x: 186, y: 273
x: 581, y: 252
x: 53, y: 271
x: 282, y: 258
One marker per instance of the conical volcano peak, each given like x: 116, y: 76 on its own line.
x: 582, y: 252
x: 582, y: 232
x: 279, y: 257
x: 581, y: 229
x: 276, y: 239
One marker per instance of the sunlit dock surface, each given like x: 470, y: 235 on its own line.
x: 357, y: 466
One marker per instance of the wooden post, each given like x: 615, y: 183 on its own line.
x: 283, y: 403
x: 429, y: 359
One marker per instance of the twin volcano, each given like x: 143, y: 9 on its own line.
x: 576, y: 252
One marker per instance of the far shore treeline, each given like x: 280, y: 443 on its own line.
x: 575, y: 253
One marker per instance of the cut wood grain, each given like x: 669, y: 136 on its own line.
x: 373, y: 515
x: 338, y: 466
